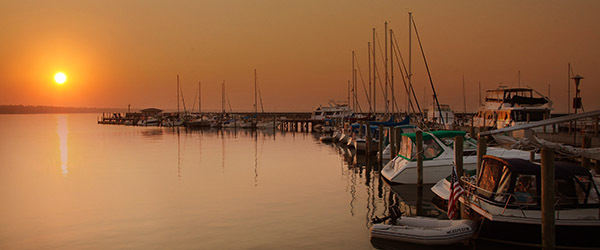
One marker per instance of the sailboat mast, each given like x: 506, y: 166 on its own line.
x: 392, y: 70
x: 374, y: 77
x: 178, y: 95
x: 370, y: 92
x: 569, y: 89
x: 464, y: 96
x: 200, y: 98
x: 255, y: 97
x: 223, y: 97
x: 385, y: 42
x: 353, y: 84
x: 410, y: 53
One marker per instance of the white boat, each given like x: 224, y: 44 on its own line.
x: 335, y: 110
x: 505, y: 107
x: 149, y: 121
x: 438, y: 156
x: 505, y: 200
x: 425, y: 231
x: 447, y: 116
x: 267, y: 124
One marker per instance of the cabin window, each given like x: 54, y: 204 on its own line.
x: 502, y: 190
x: 525, y: 189
x: 582, y: 188
x: 489, y: 177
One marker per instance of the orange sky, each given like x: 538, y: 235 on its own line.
x: 117, y: 53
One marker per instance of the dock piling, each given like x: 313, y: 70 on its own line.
x: 419, y: 141
x: 548, y: 195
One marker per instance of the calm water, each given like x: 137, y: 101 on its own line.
x: 69, y: 183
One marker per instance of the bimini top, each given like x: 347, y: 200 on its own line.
x: 438, y: 134
x: 562, y: 170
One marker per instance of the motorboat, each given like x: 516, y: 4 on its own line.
x: 438, y: 157
x: 335, y: 110
x: 506, y: 107
x: 505, y: 199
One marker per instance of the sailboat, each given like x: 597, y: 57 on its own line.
x: 174, y: 121
x: 199, y: 122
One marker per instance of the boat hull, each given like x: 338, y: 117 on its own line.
x: 425, y: 231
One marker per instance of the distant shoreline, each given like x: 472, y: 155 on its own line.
x: 37, y: 109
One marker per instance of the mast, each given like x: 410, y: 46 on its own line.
x: 255, y: 98
x: 392, y: 69
x: 409, y: 53
x: 464, y: 96
x: 178, y: 115
x: 200, y: 98
x: 223, y: 97
x: 353, y: 85
x: 569, y: 89
x: 374, y: 77
x: 348, y: 93
x: 387, y: 109
x: 370, y: 92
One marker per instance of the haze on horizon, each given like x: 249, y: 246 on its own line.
x: 117, y: 53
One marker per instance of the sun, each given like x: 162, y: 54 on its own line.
x: 60, y: 78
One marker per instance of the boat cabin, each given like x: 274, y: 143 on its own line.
x: 434, y: 144
x: 517, y: 183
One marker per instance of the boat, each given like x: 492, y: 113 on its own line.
x: 425, y: 231
x: 326, y: 138
x: 505, y: 107
x: 148, y: 121
x: 505, y: 199
x: 438, y: 156
x: 335, y: 110
x: 447, y: 116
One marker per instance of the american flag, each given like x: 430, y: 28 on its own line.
x: 455, y: 192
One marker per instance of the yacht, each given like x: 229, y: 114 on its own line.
x: 505, y: 107
x: 335, y: 110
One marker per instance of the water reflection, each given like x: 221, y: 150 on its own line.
x: 62, y: 130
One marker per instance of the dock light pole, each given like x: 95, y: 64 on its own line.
x: 576, y: 104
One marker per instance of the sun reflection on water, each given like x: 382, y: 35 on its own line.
x: 63, y: 131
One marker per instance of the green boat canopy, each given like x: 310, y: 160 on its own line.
x: 438, y: 134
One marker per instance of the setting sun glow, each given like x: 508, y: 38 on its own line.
x: 60, y: 78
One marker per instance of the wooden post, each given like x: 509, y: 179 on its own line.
x: 368, y: 141
x: 398, y: 136
x: 472, y: 128
x: 419, y: 142
x: 585, y: 143
x: 458, y: 155
x: 596, y: 126
x: 545, y: 117
x: 481, y: 151
x: 548, y: 195
x: 380, y: 143
x: 531, y: 156
x: 458, y: 162
x: 392, y: 139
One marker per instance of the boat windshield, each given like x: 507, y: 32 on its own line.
x: 431, y: 149
x: 469, y: 144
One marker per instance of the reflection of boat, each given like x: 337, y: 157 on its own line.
x: 425, y: 230
x: 505, y: 107
x: 506, y: 200
x: 438, y: 156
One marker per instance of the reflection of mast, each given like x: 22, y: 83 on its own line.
x: 256, y: 159
x: 223, y: 150
x: 178, y: 155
